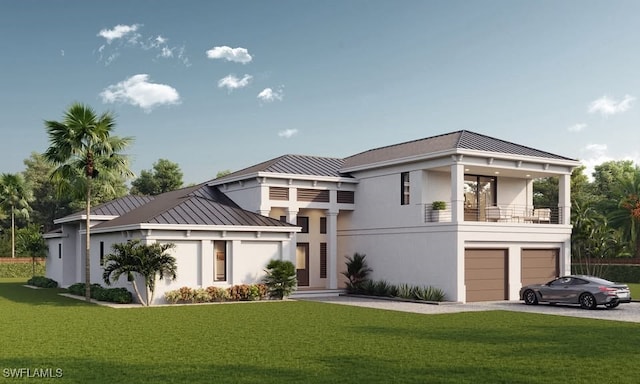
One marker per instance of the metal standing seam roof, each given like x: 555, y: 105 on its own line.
x: 294, y: 165
x: 198, y: 205
x: 448, y: 141
x: 115, y: 207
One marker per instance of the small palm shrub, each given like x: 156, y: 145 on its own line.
x: 280, y: 278
x: 357, y: 272
x: 42, y: 282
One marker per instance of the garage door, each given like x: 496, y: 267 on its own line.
x: 485, y: 272
x: 539, y: 265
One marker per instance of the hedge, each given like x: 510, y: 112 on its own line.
x: 620, y: 273
x: 21, y: 269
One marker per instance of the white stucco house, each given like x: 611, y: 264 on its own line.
x: 314, y: 211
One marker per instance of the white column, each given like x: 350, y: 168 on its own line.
x: 292, y: 218
x: 457, y: 191
x: 332, y: 249
x: 564, y: 199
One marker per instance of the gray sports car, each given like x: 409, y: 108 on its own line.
x: 588, y: 291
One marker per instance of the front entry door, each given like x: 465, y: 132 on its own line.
x: 302, y: 264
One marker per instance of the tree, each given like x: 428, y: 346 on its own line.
x: 625, y: 214
x: 82, y: 150
x: 165, y: 176
x: 46, y: 205
x: 147, y: 260
x: 15, y: 196
x: 280, y: 278
x: 29, y: 242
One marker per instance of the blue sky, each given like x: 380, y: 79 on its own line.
x: 215, y: 85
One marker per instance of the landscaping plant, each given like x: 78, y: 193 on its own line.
x: 281, y: 278
x: 357, y: 272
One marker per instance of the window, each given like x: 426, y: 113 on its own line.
x: 102, y: 253
x: 303, y: 221
x: 404, y: 188
x: 59, y: 250
x: 220, y: 261
x: 323, y: 260
x: 323, y: 225
x: 283, y: 219
x: 479, y: 193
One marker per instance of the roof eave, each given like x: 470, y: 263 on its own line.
x: 461, y: 151
x: 275, y: 175
x: 72, y: 218
x: 196, y: 227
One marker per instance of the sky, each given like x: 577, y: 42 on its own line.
x: 222, y: 85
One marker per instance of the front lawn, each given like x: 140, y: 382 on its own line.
x: 635, y: 290
x: 304, y: 342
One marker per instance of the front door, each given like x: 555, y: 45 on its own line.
x: 302, y: 264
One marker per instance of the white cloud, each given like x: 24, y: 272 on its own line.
x: 138, y: 91
x: 231, y: 82
x: 577, y: 127
x: 62, y: 52
x: 288, y: 133
x: 123, y: 37
x: 238, y: 55
x: 268, y: 95
x: 118, y: 32
x: 607, y: 106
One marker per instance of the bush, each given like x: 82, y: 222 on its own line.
x: 98, y: 292
x: 242, y: 292
x: 43, y: 282
x: 21, y: 270
x: 281, y: 278
x: 200, y: 295
x: 620, y: 273
x: 384, y: 289
x: 357, y: 272
x: 217, y: 294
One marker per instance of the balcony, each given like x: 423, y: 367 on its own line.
x: 498, y: 214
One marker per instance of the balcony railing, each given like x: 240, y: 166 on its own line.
x: 499, y: 213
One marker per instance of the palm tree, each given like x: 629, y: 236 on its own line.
x: 15, y: 196
x: 151, y: 261
x: 625, y: 213
x: 82, y: 149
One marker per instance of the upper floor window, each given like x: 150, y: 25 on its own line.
x: 323, y: 225
x: 303, y: 221
x: 404, y: 188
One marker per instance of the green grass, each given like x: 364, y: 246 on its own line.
x: 304, y: 342
x: 635, y: 290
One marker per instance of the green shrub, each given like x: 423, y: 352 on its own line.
x: 619, y: 273
x: 357, y: 272
x: 98, y: 292
x: 404, y: 291
x: 280, y: 279
x: 21, y: 270
x: 43, y: 282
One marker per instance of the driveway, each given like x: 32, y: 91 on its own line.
x: 625, y: 312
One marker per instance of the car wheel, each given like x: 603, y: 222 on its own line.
x: 612, y: 304
x: 587, y: 301
x: 530, y: 297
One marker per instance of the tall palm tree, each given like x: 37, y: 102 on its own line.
x: 625, y: 213
x: 147, y: 260
x: 82, y: 149
x: 15, y: 196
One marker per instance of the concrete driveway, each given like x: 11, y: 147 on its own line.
x: 625, y: 312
